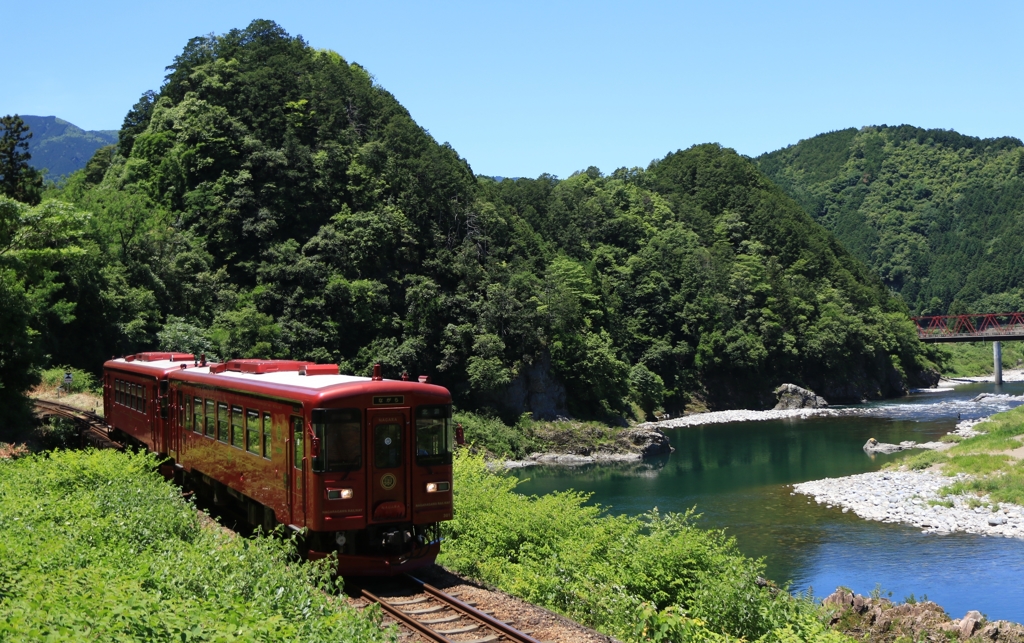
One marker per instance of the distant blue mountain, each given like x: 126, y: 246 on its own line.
x: 61, y: 147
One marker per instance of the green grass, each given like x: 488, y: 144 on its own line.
x: 655, y: 577
x: 993, y: 473
x: 95, y: 545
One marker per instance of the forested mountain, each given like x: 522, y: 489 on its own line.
x: 271, y: 200
x: 939, y: 215
x: 63, y: 148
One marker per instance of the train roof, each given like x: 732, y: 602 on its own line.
x: 294, y: 380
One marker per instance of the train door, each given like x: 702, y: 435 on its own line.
x: 387, y: 467
x: 298, y: 466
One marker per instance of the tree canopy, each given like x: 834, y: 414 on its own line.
x: 271, y: 200
x: 935, y: 213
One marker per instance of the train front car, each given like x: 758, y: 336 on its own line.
x: 381, y: 475
x: 361, y: 464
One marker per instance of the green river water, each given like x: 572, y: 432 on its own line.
x: 739, y: 477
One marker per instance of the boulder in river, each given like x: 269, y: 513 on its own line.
x: 791, y: 396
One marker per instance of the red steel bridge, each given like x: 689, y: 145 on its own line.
x: 988, y: 327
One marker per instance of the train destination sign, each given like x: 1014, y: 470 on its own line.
x: 388, y: 399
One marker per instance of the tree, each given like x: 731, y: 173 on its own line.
x: 18, y: 179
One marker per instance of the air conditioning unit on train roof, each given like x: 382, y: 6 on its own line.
x: 159, y: 357
x: 261, y: 366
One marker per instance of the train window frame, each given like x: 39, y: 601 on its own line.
x: 426, y: 419
x: 394, y: 453
x: 298, y: 441
x: 181, y: 410
x: 237, y: 427
x: 198, y: 419
x: 143, y: 395
x: 117, y: 391
x: 210, y: 415
x: 349, y: 423
x: 267, y: 429
x: 252, y: 431
x: 222, y: 423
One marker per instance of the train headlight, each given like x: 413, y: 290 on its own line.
x: 340, y: 494
x: 434, y: 487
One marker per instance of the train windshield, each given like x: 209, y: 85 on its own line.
x: 340, y: 433
x: 434, y: 435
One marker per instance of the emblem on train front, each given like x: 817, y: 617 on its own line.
x: 388, y: 481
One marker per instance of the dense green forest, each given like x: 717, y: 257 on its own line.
x: 272, y: 200
x: 935, y: 213
x: 60, y: 147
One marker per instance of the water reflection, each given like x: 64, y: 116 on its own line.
x: 738, y: 476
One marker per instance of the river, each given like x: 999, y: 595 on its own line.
x: 739, y: 477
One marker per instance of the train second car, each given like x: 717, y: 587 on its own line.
x: 360, y: 465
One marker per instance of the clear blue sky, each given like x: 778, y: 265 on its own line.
x: 523, y: 88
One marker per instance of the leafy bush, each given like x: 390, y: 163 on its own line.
x: 613, y: 572
x: 81, y: 381
x: 95, y: 545
x: 492, y: 434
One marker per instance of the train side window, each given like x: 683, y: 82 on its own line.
x: 434, y: 444
x: 117, y: 391
x: 211, y: 419
x: 237, y: 430
x: 252, y: 431
x: 266, y: 435
x: 387, y: 445
x: 143, y: 396
x: 340, y: 432
x: 222, y: 422
x: 181, y: 411
x: 297, y: 434
x: 135, y: 396
x: 197, y: 414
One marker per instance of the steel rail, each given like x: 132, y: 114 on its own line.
x: 475, y: 614
x: 406, y: 620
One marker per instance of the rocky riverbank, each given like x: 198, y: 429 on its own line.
x: 879, y: 620
x: 913, y: 497
x: 631, y: 445
x: 744, y: 415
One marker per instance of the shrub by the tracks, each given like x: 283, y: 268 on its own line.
x: 94, y: 545
x: 651, y: 578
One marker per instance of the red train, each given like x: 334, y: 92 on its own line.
x: 362, y: 463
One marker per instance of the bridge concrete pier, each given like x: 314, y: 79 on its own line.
x: 997, y: 357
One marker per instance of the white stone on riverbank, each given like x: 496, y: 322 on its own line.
x: 743, y: 415
x: 571, y: 459
x: 907, y: 497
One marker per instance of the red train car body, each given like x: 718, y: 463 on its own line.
x: 362, y: 464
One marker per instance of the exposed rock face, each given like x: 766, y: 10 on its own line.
x: 645, y: 441
x: 881, y: 621
x: 536, y: 390
x: 791, y: 396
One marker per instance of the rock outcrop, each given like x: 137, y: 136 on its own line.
x: 881, y: 621
x: 646, y: 441
x: 536, y: 390
x: 791, y: 396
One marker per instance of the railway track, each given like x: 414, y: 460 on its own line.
x: 93, y: 429
x: 443, y: 618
